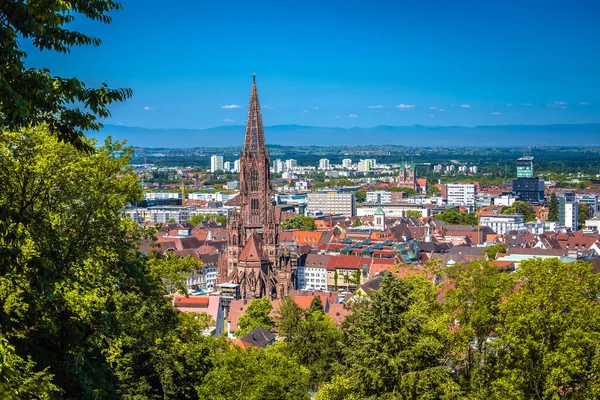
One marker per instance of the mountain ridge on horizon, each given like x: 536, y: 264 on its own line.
x: 588, y: 134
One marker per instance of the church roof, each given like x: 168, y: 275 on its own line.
x: 253, y: 250
x: 379, y: 211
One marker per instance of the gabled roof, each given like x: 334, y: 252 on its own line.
x: 253, y: 250
x: 258, y: 337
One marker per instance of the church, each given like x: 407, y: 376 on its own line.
x: 254, y: 260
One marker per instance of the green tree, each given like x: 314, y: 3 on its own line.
x: 79, y: 303
x: 407, y: 190
x: 316, y: 305
x: 316, y: 344
x: 584, y: 212
x: 434, y: 190
x: 288, y: 316
x: 547, y: 343
x: 32, y: 96
x: 357, y: 222
x: 492, y: 251
x: 520, y: 207
x: 393, y: 347
x: 255, y: 374
x: 361, y: 195
x: 335, y: 281
x: 257, y: 314
x: 553, y: 210
x: 299, y: 222
x: 414, y: 214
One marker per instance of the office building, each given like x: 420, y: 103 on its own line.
x: 503, y: 223
x: 529, y: 190
x: 216, y: 163
x: 331, y: 203
x: 379, y: 197
x: 461, y: 194
x: 568, y: 210
x: 323, y: 163
x: 525, y: 167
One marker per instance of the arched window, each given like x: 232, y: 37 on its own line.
x: 254, y: 181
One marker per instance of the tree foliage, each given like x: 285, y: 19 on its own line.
x: 414, y: 214
x: 520, y: 207
x: 257, y: 314
x: 361, y: 195
x: 299, y: 222
x: 584, y: 212
x: 32, y: 96
x: 455, y: 217
x: 393, y: 347
x: 255, y: 374
x: 553, y: 210
x: 492, y: 251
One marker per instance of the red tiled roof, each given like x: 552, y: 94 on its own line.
x: 253, y: 250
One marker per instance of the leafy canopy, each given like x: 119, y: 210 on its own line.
x: 31, y: 96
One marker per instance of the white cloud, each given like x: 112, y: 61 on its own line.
x: 337, y: 117
x: 465, y: 105
x: 432, y: 115
x: 584, y: 103
x: 353, y: 116
x: 316, y: 108
x: 146, y: 108
x: 558, y: 104
x: 267, y: 107
x: 304, y: 111
x: 378, y: 106
x: 120, y: 123
x: 228, y: 120
x: 230, y: 106
x: 405, y: 106
x: 496, y: 113
x: 509, y: 105
x: 433, y: 108
x: 527, y: 104
x: 442, y: 110
x: 518, y: 114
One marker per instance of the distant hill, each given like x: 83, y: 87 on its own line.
x: 417, y: 135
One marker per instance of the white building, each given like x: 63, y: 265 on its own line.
x: 323, y: 163
x: 236, y: 166
x: 503, y: 223
x: 365, y: 165
x: 216, y: 163
x: 331, y: 203
x: 228, y: 166
x: 568, y: 210
x: 217, y: 196
x: 474, y: 169
x: 161, y: 195
x: 437, y: 168
x: 291, y: 164
x: 278, y: 166
x: 347, y: 163
x: 232, y: 185
x: 462, y: 194
x: 393, y: 210
x: 313, y: 275
x: 379, y: 197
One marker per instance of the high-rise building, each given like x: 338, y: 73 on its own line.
x: 462, y: 194
x: 236, y: 166
x: 278, y: 166
x: 323, y: 163
x: 529, y: 188
x: 525, y: 167
x: 228, y: 166
x: 347, y: 163
x: 291, y: 164
x: 364, y: 166
x: 568, y: 210
x: 216, y: 163
x: 254, y: 261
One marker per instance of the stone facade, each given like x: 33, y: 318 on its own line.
x: 253, y: 255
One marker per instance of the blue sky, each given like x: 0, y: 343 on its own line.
x: 350, y: 63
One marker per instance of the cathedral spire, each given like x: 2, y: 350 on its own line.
x: 254, y: 142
